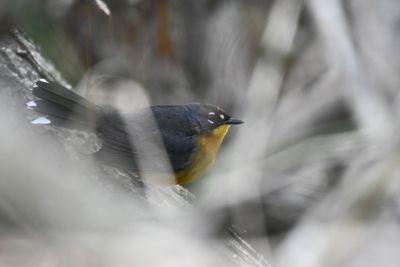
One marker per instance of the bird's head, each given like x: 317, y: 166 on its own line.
x: 209, y: 118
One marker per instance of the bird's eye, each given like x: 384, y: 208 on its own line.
x: 211, y: 117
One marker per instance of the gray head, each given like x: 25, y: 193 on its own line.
x: 209, y: 117
x: 191, y: 118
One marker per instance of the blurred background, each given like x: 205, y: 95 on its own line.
x: 310, y: 179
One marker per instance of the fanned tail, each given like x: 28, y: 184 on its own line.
x: 63, y: 107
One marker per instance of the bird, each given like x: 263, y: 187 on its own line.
x: 191, y: 134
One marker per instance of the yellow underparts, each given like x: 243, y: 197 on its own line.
x: 204, y: 157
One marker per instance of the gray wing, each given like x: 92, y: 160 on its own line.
x: 134, y: 142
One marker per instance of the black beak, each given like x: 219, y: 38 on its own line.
x: 233, y: 121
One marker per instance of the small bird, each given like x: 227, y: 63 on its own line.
x: 191, y: 134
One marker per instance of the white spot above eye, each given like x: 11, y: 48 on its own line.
x: 41, y: 121
x: 44, y: 80
x: 31, y: 104
x: 211, y: 113
x: 222, y: 116
x: 210, y: 121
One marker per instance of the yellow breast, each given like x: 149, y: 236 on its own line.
x: 204, y: 156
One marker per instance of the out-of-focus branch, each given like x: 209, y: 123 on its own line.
x: 262, y: 96
x: 366, y: 101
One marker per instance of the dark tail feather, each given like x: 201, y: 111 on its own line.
x: 63, y: 107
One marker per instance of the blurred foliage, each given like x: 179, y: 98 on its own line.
x: 164, y: 45
x: 314, y: 168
